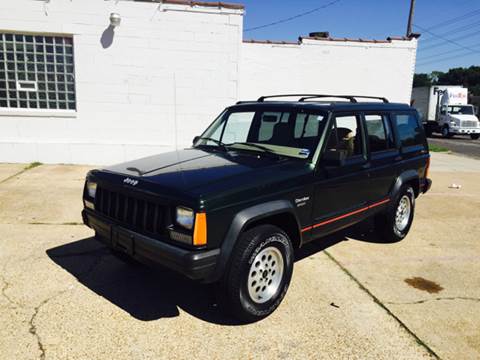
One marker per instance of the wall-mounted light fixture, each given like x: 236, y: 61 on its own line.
x: 115, y: 19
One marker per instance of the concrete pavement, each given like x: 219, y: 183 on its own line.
x: 63, y: 295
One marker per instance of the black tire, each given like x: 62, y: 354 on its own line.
x: 428, y: 130
x: 385, y: 223
x: 474, y: 136
x: 446, y: 132
x: 236, y: 282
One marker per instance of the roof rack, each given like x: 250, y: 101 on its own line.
x: 303, y: 97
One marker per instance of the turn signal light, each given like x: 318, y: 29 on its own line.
x: 200, y: 230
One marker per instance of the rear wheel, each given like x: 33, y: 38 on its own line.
x: 394, y: 224
x: 259, y: 274
x: 474, y: 136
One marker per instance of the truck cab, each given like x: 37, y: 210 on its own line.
x: 456, y: 116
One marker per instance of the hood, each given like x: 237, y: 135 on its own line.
x: 196, y: 171
x: 463, y: 117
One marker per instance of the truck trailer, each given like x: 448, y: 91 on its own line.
x: 445, y: 110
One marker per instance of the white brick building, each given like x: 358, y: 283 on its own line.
x: 74, y: 89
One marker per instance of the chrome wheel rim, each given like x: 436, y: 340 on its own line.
x: 402, y: 215
x: 265, y: 275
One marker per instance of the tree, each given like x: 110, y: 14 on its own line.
x: 467, y: 77
x: 421, y: 80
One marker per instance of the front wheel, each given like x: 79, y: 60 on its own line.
x: 394, y: 224
x: 474, y: 136
x: 260, y: 272
x: 446, y: 132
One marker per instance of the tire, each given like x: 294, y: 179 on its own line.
x: 394, y: 224
x: 474, y: 136
x: 446, y: 132
x: 428, y: 130
x: 259, y: 274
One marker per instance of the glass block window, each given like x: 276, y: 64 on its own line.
x: 36, y: 72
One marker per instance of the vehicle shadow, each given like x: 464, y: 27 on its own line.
x: 148, y: 293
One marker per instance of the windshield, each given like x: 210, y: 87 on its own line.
x: 460, y: 110
x: 283, y: 132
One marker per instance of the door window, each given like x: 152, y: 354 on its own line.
x: 345, y: 136
x: 379, y: 133
x: 408, y: 128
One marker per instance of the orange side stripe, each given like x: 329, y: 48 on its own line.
x: 345, y: 215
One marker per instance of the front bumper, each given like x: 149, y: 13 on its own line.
x: 464, y: 130
x: 197, y: 265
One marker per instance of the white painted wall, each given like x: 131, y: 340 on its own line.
x: 331, y: 67
x: 126, y: 98
x: 170, y: 62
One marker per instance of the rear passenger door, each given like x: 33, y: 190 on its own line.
x: 383, y: 154
x: 341, y: 192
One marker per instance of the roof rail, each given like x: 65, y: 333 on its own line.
x: 303, y: 97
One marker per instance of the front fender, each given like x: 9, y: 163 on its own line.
x: 243, y: 219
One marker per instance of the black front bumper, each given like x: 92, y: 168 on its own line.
x: 426, y: 185
x: 197, y: 265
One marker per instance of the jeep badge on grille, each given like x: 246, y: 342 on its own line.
x: 130, y: 181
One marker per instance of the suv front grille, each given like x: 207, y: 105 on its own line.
x: 469, y: 123
x: 141, y: 215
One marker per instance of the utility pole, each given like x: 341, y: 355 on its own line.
x: 410, y: 18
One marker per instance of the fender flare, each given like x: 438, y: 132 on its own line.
x: 402, y: 179
x: 242, y: 219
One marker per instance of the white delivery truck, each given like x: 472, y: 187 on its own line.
x: 445, y: 109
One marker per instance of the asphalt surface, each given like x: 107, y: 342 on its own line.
x: 459, y: 144
x: 64, y: 296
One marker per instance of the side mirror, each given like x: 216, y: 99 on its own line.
x: 333, y: 157
x: 195, y: 139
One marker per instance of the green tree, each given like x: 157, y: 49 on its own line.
x: 421, y: 80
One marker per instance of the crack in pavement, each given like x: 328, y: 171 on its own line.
x: 4, y: 293
x: 434, y: 299
x: 382, y: 305
x: 33, y: 327
x: 25, y: 169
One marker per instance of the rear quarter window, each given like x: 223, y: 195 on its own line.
x: 408, y: 128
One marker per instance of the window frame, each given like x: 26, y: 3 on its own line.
x: 38, y: 111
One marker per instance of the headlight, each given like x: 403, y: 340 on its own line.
x: 91, y: 189
x: 185, y: 217
x: 453, y: 123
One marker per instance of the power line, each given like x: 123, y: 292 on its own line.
x: 451, y: 41
x: 281, y: 21
x: 456, y: 30
x: 445, y: 52
x: 462, y: 37
x: 455, y: 19
x: 443, y: 59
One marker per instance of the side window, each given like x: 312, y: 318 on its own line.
x: 268, y: 121
x: 408, y: 128
x: 237, y: 127
x: 345, y: 135
x: 379, y: 133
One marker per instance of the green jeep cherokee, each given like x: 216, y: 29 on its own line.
x: 265, y: 178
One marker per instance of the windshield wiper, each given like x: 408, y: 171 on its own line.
x: 218, y: 142
x: 261, y: 147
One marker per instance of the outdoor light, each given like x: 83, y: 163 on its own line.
x: 185, y: 217
x: 115, y: 19
x: 91, y: 189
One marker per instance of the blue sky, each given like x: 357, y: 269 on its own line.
x: 378, y: 19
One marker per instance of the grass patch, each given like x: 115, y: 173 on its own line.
x: 436, y: 148
x: 33, y: 165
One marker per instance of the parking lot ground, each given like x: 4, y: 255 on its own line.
x: 8, y: 170
x: 63, y: 295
